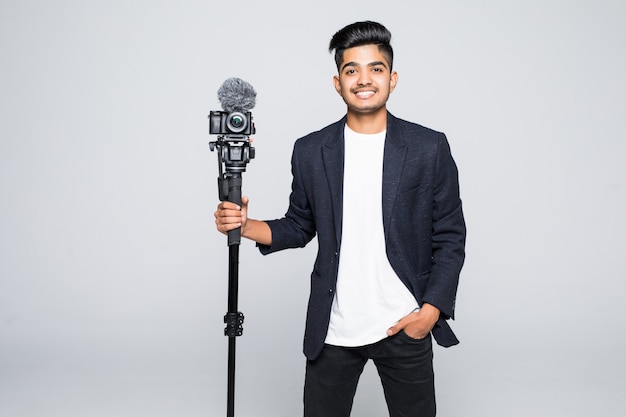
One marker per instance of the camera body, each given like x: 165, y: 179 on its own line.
x: 234, y: 123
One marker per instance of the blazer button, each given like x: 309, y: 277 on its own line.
x: 330, y: 291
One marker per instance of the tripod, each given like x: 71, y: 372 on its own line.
x: 233, y: 154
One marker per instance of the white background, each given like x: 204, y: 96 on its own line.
x: 113, y: 280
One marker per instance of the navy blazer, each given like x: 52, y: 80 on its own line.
x: 422, y: 219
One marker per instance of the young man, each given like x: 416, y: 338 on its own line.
x: 382, y: 196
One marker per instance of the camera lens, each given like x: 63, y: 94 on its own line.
x: 236, y: 122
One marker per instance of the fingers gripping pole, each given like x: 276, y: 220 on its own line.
x: 234, y: 195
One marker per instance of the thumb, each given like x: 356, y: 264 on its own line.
x: 395, y: 328
x: 244, y: 205
x: 244, y: 208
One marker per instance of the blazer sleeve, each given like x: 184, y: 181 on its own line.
x: 448, y: 234
x: 297, y: 227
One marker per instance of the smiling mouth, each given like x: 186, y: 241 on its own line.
x: 364, y: 94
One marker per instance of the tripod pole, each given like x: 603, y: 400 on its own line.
x: 233, y: 153
x: 233, y: 318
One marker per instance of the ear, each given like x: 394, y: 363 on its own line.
x: 337, y: 84
x: 393, y: 81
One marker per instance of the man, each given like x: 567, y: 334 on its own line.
x: 382, y: 196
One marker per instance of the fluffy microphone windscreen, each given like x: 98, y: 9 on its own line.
x: 236, y: 95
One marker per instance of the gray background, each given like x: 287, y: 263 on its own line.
x: 113, y: 280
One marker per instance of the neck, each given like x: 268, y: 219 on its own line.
x: 367, y: 123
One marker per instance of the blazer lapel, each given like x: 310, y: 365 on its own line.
x: 393, y: 163
x: 332, y: 157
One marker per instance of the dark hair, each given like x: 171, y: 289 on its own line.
x: 359, y: 34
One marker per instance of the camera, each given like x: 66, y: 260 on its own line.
x: 235, y: 123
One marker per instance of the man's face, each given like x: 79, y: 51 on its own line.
x: 365, y: 80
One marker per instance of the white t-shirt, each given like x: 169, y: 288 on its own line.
x: 370, y: 297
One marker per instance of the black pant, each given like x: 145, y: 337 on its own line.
x: 405, y: 367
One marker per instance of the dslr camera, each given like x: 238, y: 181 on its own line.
x: 235, y: 123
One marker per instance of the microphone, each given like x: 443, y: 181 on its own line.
x: 236, y: 95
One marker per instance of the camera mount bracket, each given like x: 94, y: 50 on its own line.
x: 234, y: 324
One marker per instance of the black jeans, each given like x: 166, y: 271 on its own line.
x: 405, y: 367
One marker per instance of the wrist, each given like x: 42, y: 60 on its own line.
x: 430, y: 310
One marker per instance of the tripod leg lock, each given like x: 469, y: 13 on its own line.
x: 234, y: 324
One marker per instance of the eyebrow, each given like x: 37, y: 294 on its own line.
x: 371, y: 64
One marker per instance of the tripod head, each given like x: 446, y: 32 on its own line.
x: 234, y: 152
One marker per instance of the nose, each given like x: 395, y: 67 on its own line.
x: 364, y: 78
